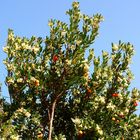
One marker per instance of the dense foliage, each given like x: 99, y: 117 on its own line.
x: 55, y: 96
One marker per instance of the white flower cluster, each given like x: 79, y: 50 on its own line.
x: 15, y: 137
x: 17, y: 46
x: 60, y: 137
x: 76, y: 121
x: 99, y: 130
x: 110, y: 106
x: 22, y: 111
x: 19, y: 80
x: 102, y: 99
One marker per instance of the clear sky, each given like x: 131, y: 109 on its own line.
x: 30, y: 17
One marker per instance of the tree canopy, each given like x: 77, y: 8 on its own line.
x: 55, y: 96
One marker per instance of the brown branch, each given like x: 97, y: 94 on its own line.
x: 51, y: 114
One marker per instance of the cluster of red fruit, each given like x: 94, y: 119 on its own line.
x: 117, y: 94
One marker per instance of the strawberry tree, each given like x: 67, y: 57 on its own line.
x: 53, y: 93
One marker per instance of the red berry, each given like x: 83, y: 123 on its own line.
x: 115, y: 95
x: 135, y: 103
x: 55, y: 58
x: 89, y: 91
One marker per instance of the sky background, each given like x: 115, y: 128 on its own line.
x: 30, y: 17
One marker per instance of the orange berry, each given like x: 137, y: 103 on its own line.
x: 36, y: 82
x: 117, y: 121
x: 40, y: 135
x: 80, y: 133
x: 113, y: 119
x: 126, y: 124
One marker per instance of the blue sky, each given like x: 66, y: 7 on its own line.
x: 30, y: 17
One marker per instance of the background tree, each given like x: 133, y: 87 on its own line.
x: 54, y: 95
